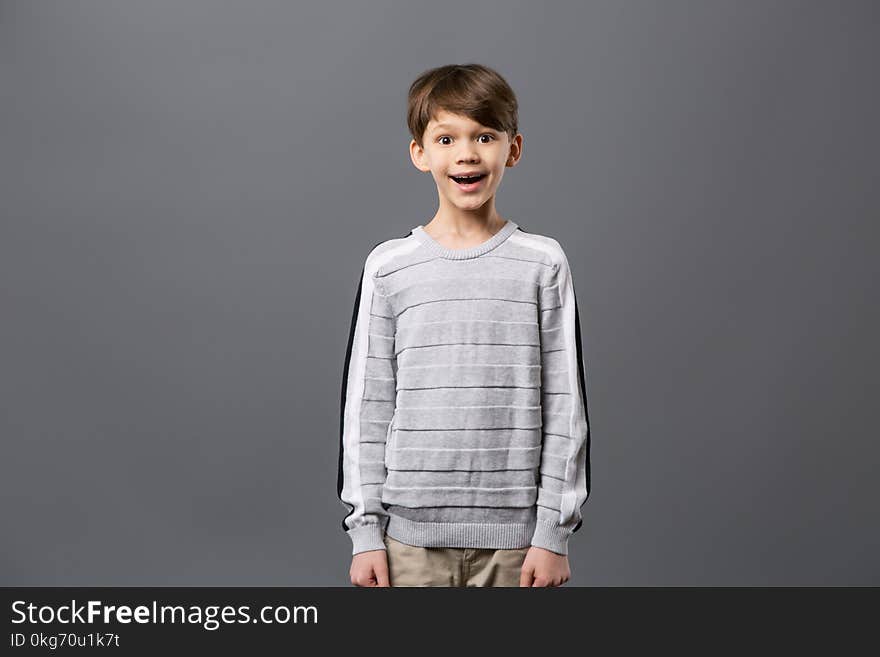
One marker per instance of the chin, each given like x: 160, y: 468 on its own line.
x: 473, y: 205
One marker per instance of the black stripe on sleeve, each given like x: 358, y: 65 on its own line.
x: 580, y: 360
x: 354, y: 318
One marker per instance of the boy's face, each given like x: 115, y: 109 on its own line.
x: 455, y: 144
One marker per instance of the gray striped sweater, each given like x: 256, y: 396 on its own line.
x: 464, y: 419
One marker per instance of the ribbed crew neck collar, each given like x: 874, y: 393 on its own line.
x: 463, y: 254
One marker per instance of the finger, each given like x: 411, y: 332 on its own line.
x: 382, y: 575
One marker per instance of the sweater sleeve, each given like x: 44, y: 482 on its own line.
x: 564, y: 483
x: 367, y: 406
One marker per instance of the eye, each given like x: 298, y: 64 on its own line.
x: 485, y: 134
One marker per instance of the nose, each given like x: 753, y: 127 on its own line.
x: 468, y: 154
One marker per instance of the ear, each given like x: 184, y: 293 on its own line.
x: 417, y: 155
x: 515, y: 150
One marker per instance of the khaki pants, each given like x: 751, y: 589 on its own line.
x: 409, y: 565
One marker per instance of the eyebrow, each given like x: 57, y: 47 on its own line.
x: 441, y: 126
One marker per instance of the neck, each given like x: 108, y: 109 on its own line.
x: 453, y: 221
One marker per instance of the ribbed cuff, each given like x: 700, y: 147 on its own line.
x: 367, y: 537
x: 551, y: 537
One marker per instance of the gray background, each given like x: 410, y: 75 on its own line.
x: 189, y: 190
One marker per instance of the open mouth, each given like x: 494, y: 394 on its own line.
x: 467, y: 180
x: 469, y: 183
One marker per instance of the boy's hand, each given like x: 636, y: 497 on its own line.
x: 544, y: 568
x: 370, y: 568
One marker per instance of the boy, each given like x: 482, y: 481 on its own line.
x: 464, y: 447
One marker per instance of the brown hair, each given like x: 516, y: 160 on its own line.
x: 472, y: 90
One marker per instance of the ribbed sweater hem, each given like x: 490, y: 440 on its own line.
x: 505, y: 536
